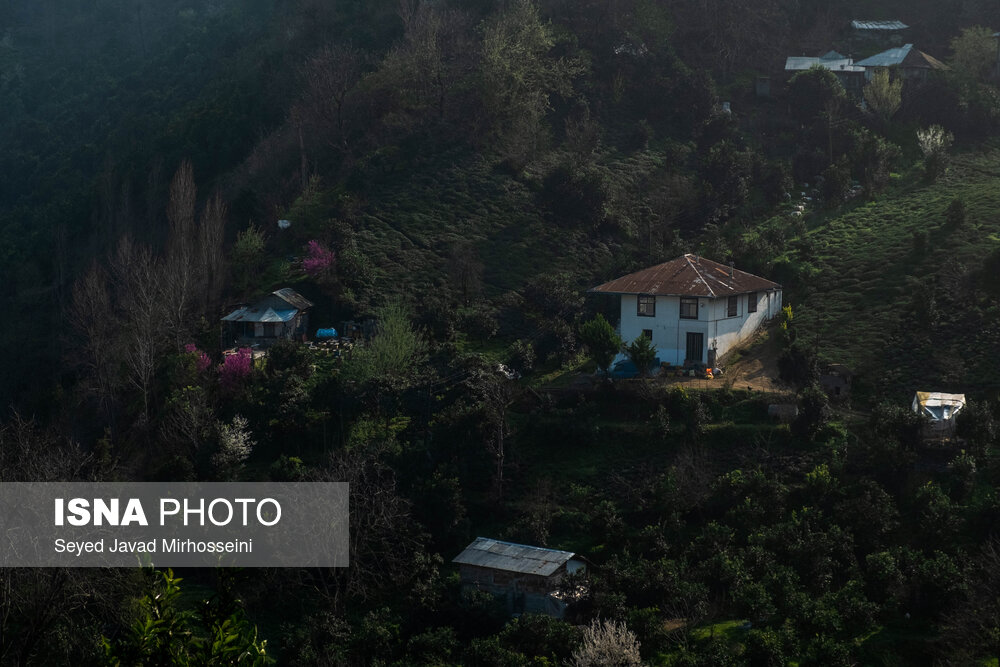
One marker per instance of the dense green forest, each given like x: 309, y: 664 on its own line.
x: 459, y: 173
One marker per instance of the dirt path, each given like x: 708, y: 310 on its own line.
x: 755, y: 365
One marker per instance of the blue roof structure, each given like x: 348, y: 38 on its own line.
x: 905, y: 56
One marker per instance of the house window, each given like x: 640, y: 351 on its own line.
x: 689, y: 308
x: 734, y: 307
x: 648, y: 333
x: 646, y: 306
x: 752, y: 302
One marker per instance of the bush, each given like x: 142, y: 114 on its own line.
x: 934, y: 143
x: 836, y: 182
x: 480, y: 322
x: 607, y: 644
x: 602, y: 342
x: 522, y: 355
x: 955, y: 214
x: 641, y: 353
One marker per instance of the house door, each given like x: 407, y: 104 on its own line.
x: 695, y: 343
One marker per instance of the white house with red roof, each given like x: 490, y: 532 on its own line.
x: 694, y: 310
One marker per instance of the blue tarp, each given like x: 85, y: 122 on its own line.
x: 326, y: 333
x: 626, y: 369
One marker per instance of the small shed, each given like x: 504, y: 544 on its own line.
x: 282, y: 314
x: 527, y: 577
x: 912, y: 63
x: 940, y: 410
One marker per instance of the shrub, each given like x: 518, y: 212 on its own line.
x: 641, y: 353
x: 602, y: 341
x: 954, y: 215
x: 522, y: 355
x: 202, y: 361
x: 836, y: 182
x: 236, y: 368
x: 607, y: 644
x: 934, y: 143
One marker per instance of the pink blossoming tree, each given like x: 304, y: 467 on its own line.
x: 203, y: 362
x: 319, y: 260
x: 235, y: 369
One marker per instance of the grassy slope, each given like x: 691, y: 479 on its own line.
x: 859, y: 302
x: 409, y: 225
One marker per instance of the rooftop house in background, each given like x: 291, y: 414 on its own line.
x: 527, y: 577
x: 940, y: 410
x: 851, y: 76
x: 282, y: 314
x: 910, y: 62
x: 694, y: 310
x: 883, y: 31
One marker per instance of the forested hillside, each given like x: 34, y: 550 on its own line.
x: 453, y: 176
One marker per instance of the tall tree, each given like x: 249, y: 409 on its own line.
x: 883, y: 95
x: 391, y: 362
x: 466, y: 270
x: 493, y: 392
x: 974, y: 53
x: 211, y: 257
x: 181, y: 277
x: 519, y: 76
x: 92, y: 315
x: 329, y: 75
x: 137, y: 275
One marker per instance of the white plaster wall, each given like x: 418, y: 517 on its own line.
x: 728, y: 332
x: 720, y: 331
x: 669, y: 330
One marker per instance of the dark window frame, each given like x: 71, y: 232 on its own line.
x: 752, y: 302
x: 689, y: 301
x: 645, y: 305
x: 733, y: 307
x: 648, y: 333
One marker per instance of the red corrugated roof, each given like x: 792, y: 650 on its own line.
x: 689, y: 275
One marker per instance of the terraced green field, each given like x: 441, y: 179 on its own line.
x: 862, y: 306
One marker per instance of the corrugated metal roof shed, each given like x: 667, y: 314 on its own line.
x: 689, y: 275
x: 486, y: 552
x: 293, y: 297
x: 879, y: 25
x: 799, y: 63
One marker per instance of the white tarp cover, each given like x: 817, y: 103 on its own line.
x: 938, y: 406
